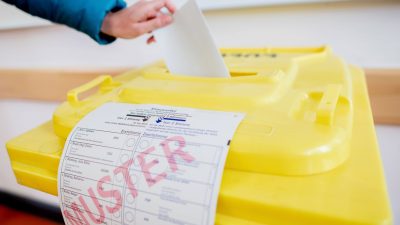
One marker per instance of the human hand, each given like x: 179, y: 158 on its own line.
x: 140, y: 18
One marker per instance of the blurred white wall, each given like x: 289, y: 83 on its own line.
x: 364, y: 33
x: 11, y: 17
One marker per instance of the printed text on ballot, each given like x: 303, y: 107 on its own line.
x: 79, y: 211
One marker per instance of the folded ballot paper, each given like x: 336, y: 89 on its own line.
x: 145, y: 164
x: 187, y: 44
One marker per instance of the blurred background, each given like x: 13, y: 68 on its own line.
x: 40, y: 61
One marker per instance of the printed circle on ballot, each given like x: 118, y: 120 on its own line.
x: 129, y: 198
x: 144, y: 144
x: 134, y: 178
x: 117, y: 213
x: 119, y: 178
x: 123, y: 158
x: 130, y: 142
x: 129, y: 216
x: 121, y: 181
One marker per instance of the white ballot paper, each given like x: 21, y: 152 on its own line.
x: 188, y: 46
x: 145, y: 164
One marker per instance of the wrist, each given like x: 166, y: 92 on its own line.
x: 107, y: 26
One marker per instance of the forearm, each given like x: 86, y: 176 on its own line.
x: 84, y: 15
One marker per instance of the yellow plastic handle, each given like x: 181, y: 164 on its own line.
x: 73, y: 94
x: 327, y: 106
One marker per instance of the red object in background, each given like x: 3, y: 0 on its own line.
x: 10, y: 216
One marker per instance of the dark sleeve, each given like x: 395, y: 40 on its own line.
x: 83, y: 15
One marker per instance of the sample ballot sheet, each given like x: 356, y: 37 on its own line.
x: 145, y: 164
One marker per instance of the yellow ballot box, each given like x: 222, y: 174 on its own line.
x: 305, y: 153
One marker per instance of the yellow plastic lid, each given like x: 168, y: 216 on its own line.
x: 299, y: 157
x: 297, y: 104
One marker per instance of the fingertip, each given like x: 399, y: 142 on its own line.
x: 170, y: 6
